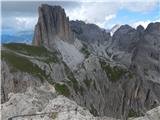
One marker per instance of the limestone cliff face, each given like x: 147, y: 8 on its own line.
x: 137, y: 49
x: 146, y: 56
x: 52, y: 24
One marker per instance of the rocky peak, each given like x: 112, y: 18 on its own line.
x: 153, y: 27
x: 87, y: 32
x: 115, y: 28
x: 125, y: 28
x: 125, y: 38
x: 52, y: 24
x: 140, y: 28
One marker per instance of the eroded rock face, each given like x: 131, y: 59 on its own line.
x: 15, y: 82
x: 90, y: 33
x: 153, y: 114
x: 146, y: 56
x: 52, y: 23
x: 125, y: 38
x: 137, y: 49
x: 94, y: 37
x: 42, y: 103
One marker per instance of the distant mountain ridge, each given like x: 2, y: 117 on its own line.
x: 20, y: 38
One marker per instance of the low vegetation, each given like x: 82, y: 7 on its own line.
x: 62, y: 89
x: 87, y: 82
x: 113, y: 73
x: 81, y: 90
x: 132, y: 113
x: 85, y: 51
x: 73, y: 82
x: 23, y: 64
x: 130, y: 75
x: 54, y: 115
x: 33, y: 51
x: 71, y: 77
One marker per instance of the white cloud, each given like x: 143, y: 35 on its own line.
x: 103, y: 11
x: 100, y: 12
x: 25, y: 22
x: 143, y: 23
x: 139, y: 5
x: 18, y: 23
x: 109, y: 17
x: 106, y: 21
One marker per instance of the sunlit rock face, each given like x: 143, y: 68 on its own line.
x: 52, y: 24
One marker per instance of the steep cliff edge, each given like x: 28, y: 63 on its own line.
x: 146, y: 56
x: 52, y: 24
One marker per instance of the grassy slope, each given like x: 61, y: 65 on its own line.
x: 18, y: 56
x: 113, y: 73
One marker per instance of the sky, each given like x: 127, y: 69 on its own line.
x: 21, y: 16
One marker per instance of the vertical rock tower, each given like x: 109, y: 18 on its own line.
x: 52, y: 25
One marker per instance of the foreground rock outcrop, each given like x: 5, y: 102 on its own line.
x: 42, y: 103
x: 153, y: 114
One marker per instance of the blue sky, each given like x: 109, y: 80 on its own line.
x: 22, y: 16
x: 125, y: 16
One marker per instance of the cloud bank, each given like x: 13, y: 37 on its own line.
x: 23, y: 15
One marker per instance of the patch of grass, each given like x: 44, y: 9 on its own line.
x: 130, y: 75
x: 85, y: 51
x: 26, y: 49
x: 132, y: 113
x: 87, y: 82
x: 62, y: 89
x: 54, y: 115
x: 31, y: 50
x: 73, y: 82
x: 71, y: 77
x: 23, y: 64
x: 114, y: 73
x: 81, y: 90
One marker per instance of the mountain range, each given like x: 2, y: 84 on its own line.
x: 77, y: 71
x: 17, y: 37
